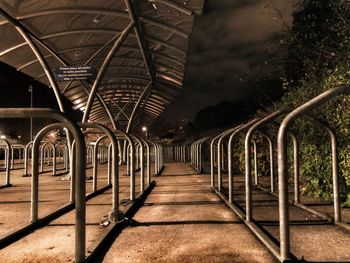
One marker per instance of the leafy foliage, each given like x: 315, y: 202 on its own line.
x: 318, y: 59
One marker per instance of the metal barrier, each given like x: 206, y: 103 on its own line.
x: 282, y: 163
x: 20, y: 148
x: 140, y: 161
x: 26, y: 157
x: 43, y: 154
x: 130, y: 161
x: 217, y: 160
x: 115, y: 214
x: 89, y: 153
x: 7, y: 163
x: 65, y: 156
x: 196, y: 154
x: 271, y: 159
x: 248, y: 138
x: 95, y: 163
x: 148, y: 161
x: 158, y: 160
x: 79, y: 168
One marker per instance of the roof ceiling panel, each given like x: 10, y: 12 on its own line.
x: 88, y: 32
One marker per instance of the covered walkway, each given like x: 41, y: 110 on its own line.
x: 95, y: 188
x: 182, y: 221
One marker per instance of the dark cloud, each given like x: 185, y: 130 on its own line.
x: 229, y: 46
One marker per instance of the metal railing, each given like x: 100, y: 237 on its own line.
x: 252, y: 130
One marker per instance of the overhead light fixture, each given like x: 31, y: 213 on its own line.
x: 97, y: 19
x: 153, y: 4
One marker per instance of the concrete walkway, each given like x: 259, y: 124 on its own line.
x: 54, y: 242
x: 182, y: 221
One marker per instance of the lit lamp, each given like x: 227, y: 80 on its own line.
x: 144, y: 130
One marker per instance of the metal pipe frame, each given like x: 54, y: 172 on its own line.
x: 335, y: 168
x: 141, y: 163
x: 255, y: 157
x: 131, y: 163
x: 48, y: 156
x: 148, y: 160
x: 65, y: 154
x: 95, y: 163
x: 12, y: 158
x: 196, y: 154
x: 212, y: 150
x: 20, y: 149
x: 247, y: 142
x: 230, y: 202
x: 8, y: 151
x: 193, y: 154
x: 79, y: 168
x: 158, y: 164
x: 89, y: 153
x: 137, y: 104
x: 41, y: 158
x: 220, y: 155
x: 27, y: 36
x: 282, y: 163
x: 114, y: 167
x: 183, y: 152
x: 109, y: 164
x: 161, y: 161
x: 103, y: 69
x: 23, y: 32
x: 26, y: 158
x: 271, y: 156
x: 295, y: 162
x: 145, y: 56
x: 212, y: 155
x: 73, y: 163
x: 200, y: 155
x: 239, y: 129
x: 146, y: 20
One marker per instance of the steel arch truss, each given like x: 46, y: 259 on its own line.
x: 138, y: 47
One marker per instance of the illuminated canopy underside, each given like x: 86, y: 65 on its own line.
x: 145, y: 72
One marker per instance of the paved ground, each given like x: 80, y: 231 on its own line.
x: 312, y: 239
x: 55, y: 242
x: 182, y: 221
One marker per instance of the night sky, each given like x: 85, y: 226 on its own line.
x: 231, y: 45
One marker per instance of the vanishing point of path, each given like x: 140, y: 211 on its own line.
x: 183, y: 221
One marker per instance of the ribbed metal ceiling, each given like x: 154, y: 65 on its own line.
x: 143, y: 75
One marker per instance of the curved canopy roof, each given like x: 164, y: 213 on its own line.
x: 138, y: 48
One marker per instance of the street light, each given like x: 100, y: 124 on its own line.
x: 31, y: 106
x: 144, y: 129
